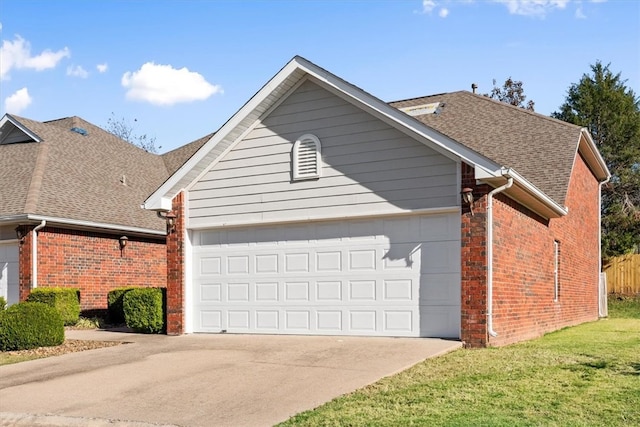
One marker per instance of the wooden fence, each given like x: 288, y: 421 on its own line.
x: 623, y: 274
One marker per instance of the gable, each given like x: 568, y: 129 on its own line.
x: 368, y: 167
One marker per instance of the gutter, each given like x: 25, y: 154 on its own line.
x: 506, y: 174
x: 80, y: 224
x: 34, y: 254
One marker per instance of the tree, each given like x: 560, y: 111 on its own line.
x: 123, y: 130
x: 602, y: 103
x: 510, y: 93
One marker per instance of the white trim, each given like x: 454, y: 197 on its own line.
x: 9, y: 242
x: 426, y: 211
x: 293, y: 73
x: 591, y: 153
x: 8, y: 118
x: 53, y: 221
x: 538, y: 194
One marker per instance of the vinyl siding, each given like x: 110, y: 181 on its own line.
x: 368, y: 167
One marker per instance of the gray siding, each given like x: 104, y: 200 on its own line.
x: 368, y: 168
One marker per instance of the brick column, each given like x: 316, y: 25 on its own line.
x: 175, y: 270
x: 474, y: 264
x: 24, y: 263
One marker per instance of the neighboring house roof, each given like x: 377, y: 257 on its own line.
x: 49, y: 171
x: 176, y: 158
x: 498, y: 140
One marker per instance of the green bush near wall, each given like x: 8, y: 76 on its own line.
x: 144, y: 310
x: 29, y: 325
x: 115, y: 309
x: 65, y: 300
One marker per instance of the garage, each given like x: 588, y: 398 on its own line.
x: 385, y: 276
x: 9, y: 271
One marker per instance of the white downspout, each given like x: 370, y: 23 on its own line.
x: 601, y: 312
x: 34, y: 254
x: 490, y: 252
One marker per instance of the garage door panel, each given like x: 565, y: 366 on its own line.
x: 364, y: 277
x: 9, y: 276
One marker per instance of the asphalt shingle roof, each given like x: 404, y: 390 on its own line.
x: 97, y: 177
x: 539, y: 148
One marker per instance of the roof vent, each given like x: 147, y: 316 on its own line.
x: 81, y: 131
x: 423, y: 109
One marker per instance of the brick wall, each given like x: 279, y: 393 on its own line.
x: 93, y: 263
x: 176, y: 270
x: 524, y: 261
x: 473, y: 278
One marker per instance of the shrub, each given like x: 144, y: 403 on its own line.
x: 65, y: 300
x: 29, y: 325
x: 115, y: 309
x: 3, y: 303
x: 144, y: 310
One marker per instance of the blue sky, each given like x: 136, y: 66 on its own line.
x: 180, y: 69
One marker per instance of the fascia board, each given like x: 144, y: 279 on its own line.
x: 93, y: 225
x: 7, y: 118
x: 551, y: 207
x: 587, y: 147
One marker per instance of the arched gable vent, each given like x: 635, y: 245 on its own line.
x: 306, y: 158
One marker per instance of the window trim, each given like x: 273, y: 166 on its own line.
x: 296, y: 173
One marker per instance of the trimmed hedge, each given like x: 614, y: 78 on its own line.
x: 115, y: 309
x: 3, y: 303
x: 144, y: 309
x: 29, y: 325
x: 65, y: 300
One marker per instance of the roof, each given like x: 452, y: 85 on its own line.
x: 500, y: 141
x: 48, y: 170
x: 538, y: 147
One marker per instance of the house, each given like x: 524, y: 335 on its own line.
x: 320, y: 209
x: 70, y: 212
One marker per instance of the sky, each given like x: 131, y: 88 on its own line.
x: 178, y: 70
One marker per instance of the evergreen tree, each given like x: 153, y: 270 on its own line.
x: 602, y: 103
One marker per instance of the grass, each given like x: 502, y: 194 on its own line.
x: 580, y: 376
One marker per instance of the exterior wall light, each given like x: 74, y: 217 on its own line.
x: 20, y: 234
x: 122, y: 242
x: 467, y: 197
x: 170, y: 217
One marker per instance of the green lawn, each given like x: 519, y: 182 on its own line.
x: 588, y: 375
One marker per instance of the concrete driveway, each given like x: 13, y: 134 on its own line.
x: 199, y: 380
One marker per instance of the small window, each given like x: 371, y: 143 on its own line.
x: 306, y: 158
x: 556, y: 268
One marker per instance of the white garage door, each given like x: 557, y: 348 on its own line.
x: 388, y: 277
x: 9, y: 272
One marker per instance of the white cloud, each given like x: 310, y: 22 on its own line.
x: 580, y: 14
x: 444, y: 12
x: 428, y: 6
x: 164, y: 85
x: 538, y: 8
x: 17, y: 55
x: 17, y: 102
x: 102, y: 68
x: 77, y: 71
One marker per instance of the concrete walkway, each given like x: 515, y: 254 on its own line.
x: 199, y: 380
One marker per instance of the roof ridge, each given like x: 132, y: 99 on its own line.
x: 520, y: 109
x: 33, y: 192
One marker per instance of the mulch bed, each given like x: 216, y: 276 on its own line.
x: 68, y: 346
